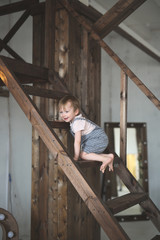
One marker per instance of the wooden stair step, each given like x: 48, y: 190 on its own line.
x: 59, y: 124
x: 41, y: 92
x: 121, y: 203
x: 88, y: 163
x: 157, y: 237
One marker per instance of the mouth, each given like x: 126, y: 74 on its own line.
x: 65, y: 119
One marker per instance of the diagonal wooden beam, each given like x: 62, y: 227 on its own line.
x: 112, y: 18
x: 92, y: 14
x: 111, y: 53
x: 29, y: 70
x: 10, y: 50
x: 15, y: 28
x: 14, y: 7
x: 137, y: 43
x: 102, y: 213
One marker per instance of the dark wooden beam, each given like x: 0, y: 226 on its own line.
x: 10, y: 50
x: 15, y: 7
x: 15, y: 28
x: 112, y: 18
x: 111, y: 53
x: 138, y: 44
x: 59, y: 124
x: 4, y: 92
x: 27, y: 70
x: 42, y: 92
x: 123, y: 115
x: 121, y: 203
x: 94, y: 15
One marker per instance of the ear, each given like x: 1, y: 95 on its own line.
x: 77, y: 111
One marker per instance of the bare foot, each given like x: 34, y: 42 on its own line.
x: 108, y: 162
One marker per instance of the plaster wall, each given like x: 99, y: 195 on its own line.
x: 16, y: 131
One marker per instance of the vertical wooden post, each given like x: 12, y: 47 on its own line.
x: 36, y: 204
x: 123, y: 116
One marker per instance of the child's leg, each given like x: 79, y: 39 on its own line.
x: 106, y: 159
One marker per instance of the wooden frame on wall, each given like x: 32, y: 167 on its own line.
x: 109, y: 181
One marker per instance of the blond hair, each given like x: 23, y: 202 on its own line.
x: 69, y: 98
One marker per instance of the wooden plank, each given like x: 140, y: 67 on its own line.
x: 84, y: 71
x: 42, y: 92
x: 131, y: 183
x: 112, y: 18
x: 138, y: 44
x: 38, y: 9
x: 4, y: 92
x: 94, y: 15
x: 14, y: 7
x: 111, y: 53
x: 38, y: 53
x: 15, y: 28
x: 27, y: 69
x: 119, y: 204
x: 10, y: 50
x: 123, y: 116
x: 59, y: 124
x: 102, y: 214
x: 132, y: 218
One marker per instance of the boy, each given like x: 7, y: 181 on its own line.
x: 89, y: 139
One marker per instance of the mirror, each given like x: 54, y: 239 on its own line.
x: 136, y: 161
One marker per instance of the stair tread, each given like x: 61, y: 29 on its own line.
x: 59, y: 124
x: 42, y: 92
x: 88, y: 163
x: 121, y: 203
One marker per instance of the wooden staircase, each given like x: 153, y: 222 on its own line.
x: 103, y: 213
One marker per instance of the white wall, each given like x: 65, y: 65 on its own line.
x: 15, y: 129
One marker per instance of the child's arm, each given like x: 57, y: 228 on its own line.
x: 77, y: 144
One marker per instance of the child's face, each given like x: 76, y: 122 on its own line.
x: 67, y: 112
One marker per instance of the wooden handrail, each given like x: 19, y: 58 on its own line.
x: 111, y: 53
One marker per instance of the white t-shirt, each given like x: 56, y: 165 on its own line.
x: 81, y: 125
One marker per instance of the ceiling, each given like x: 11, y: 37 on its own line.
x: 144, y: 22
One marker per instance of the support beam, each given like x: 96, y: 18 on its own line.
x: 125, y: 32
x: 123, y: 116
x: 42, y: 92
x: 4, y: 92
x: 15, y: 7
x: 27, y: 71
x: 140, y: 44
x: 112, y: 18
x: 111, y: 53
x: 15, y: 28
x: 10, y: 50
